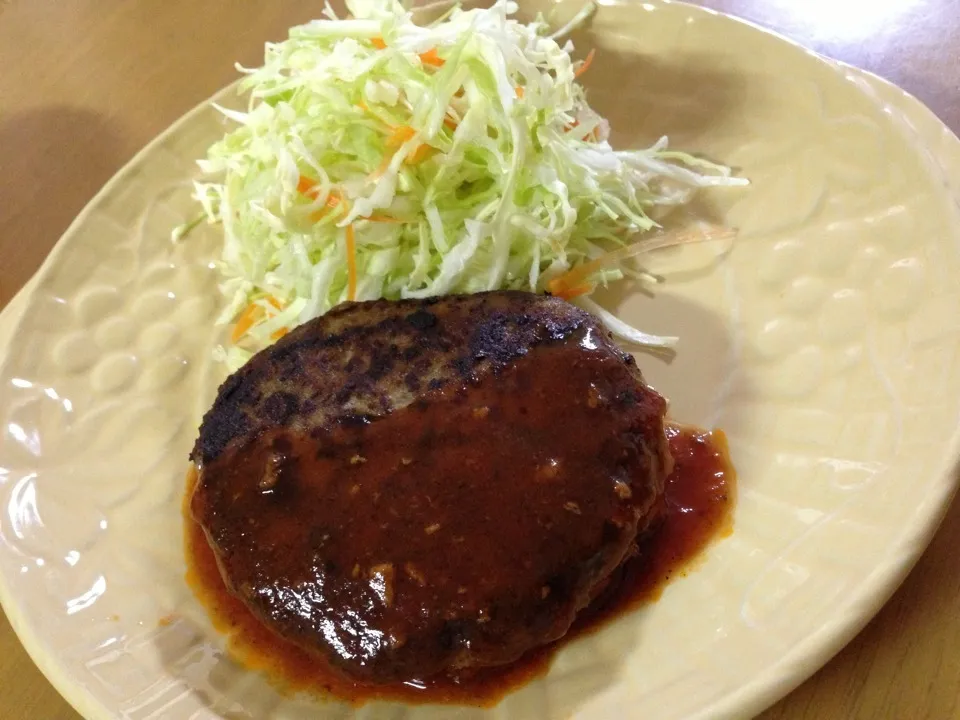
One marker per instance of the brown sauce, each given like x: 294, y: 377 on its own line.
x: 697, y: 502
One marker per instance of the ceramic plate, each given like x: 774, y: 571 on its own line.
x: 825, y: 344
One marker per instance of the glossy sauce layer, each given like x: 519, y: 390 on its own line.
x: 460, y: 531
x: 697, y: 503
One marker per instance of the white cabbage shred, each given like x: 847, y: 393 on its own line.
x: 456, y: 157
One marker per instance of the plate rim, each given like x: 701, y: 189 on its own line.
x: 815, y: 651
x: 782, y: 677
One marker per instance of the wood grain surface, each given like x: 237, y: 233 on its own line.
x: 85, y: 84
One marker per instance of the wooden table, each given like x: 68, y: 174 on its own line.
x: 85, y: 84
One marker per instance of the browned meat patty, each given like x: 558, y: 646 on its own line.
x: 417, y: 487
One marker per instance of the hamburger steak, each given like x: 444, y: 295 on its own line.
x: 417, y: 487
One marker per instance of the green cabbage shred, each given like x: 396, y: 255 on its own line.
x: 453, y: 180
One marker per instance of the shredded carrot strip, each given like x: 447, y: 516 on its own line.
x: 378, y: 43
x: 334, y: 200
x: 592, y: 134
x: 423, y: 152
x: 351, y: 264
x: 575, y: 278
x: 430, y: 57
x: 570, y: 293
x: 519, y: 91
x: 277, y: 334
x: 307, y: 186
x: 246, y: 320
x: 400, y: 135
x: 251, y: 315
x: 586, y: 64
x: 450, y: 122
x: 397, y: 138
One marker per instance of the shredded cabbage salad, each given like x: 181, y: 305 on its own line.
x: 383, y: 159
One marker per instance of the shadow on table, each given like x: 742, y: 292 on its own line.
x: 54, y: 160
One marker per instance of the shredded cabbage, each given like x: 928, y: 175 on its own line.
x: 382, y: 159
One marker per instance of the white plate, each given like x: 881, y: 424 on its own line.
x: 825, y: 345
